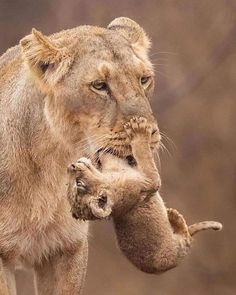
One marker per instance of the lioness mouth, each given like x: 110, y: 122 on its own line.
x: 104, y: 151
x: 129, y: 158
x: 109, y: 150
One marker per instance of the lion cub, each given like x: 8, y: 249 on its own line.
x: 151, y: 236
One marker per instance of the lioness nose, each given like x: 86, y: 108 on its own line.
x: 154, y: 130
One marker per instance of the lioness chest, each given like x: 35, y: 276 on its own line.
x: 35, y: 226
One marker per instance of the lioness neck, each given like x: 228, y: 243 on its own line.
x: 29, y: 149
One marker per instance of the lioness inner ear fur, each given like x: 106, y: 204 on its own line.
x: 132, y: 32
x: 48, y: 62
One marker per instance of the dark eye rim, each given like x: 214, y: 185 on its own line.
x: 100, y: 85
x: 145, y: 80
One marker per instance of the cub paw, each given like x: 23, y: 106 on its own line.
x: 178, y: 222
x: 138, y: 127
x: 81, y: 165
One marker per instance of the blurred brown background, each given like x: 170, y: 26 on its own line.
x: 194, y: 52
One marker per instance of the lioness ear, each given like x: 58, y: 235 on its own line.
x: 49, y: 62
x: 133, y: 32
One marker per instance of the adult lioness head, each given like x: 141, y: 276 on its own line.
x: 94, y: 79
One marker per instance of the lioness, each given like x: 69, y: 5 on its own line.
x: 61, y: 97
x: 153, y: 237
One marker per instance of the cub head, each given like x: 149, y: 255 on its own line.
x: 88, y: 191
x: 94, y: 80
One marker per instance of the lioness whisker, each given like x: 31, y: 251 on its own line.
x: 96, y: 140
x: 163, y: 52
x: 161, y: 73
x: 165, y: 149
x: 168, y: 140
x: 157, y: 157
x: 91, y: 136
x: 155, y: 64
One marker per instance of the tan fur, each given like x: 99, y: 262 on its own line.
x: 3, y: 282
x: 39, y: 51
x: 152, y: 237
x: 50, y: 116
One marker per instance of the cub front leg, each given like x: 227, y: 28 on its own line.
x: 139, y: 132
x: 63, y: 273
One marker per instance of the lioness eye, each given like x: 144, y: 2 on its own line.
x: 100, y: 85
x: 145, y: 81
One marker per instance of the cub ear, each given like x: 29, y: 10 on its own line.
x: 133, y: 32
x: 47, y: 61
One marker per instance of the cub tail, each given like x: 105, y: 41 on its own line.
x: 197, y: 227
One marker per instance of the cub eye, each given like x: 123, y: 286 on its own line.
x: 145, y: 81
x: 100, y: 85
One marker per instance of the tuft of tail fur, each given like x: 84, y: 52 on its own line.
x: 197, y: 227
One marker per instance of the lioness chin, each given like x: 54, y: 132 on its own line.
x: 61, y: 97
x: 152, y: 237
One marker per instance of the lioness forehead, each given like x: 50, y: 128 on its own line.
x: 105, y: 50
x: 102, y: 42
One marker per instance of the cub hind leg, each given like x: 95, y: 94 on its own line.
x: 180, y: 226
